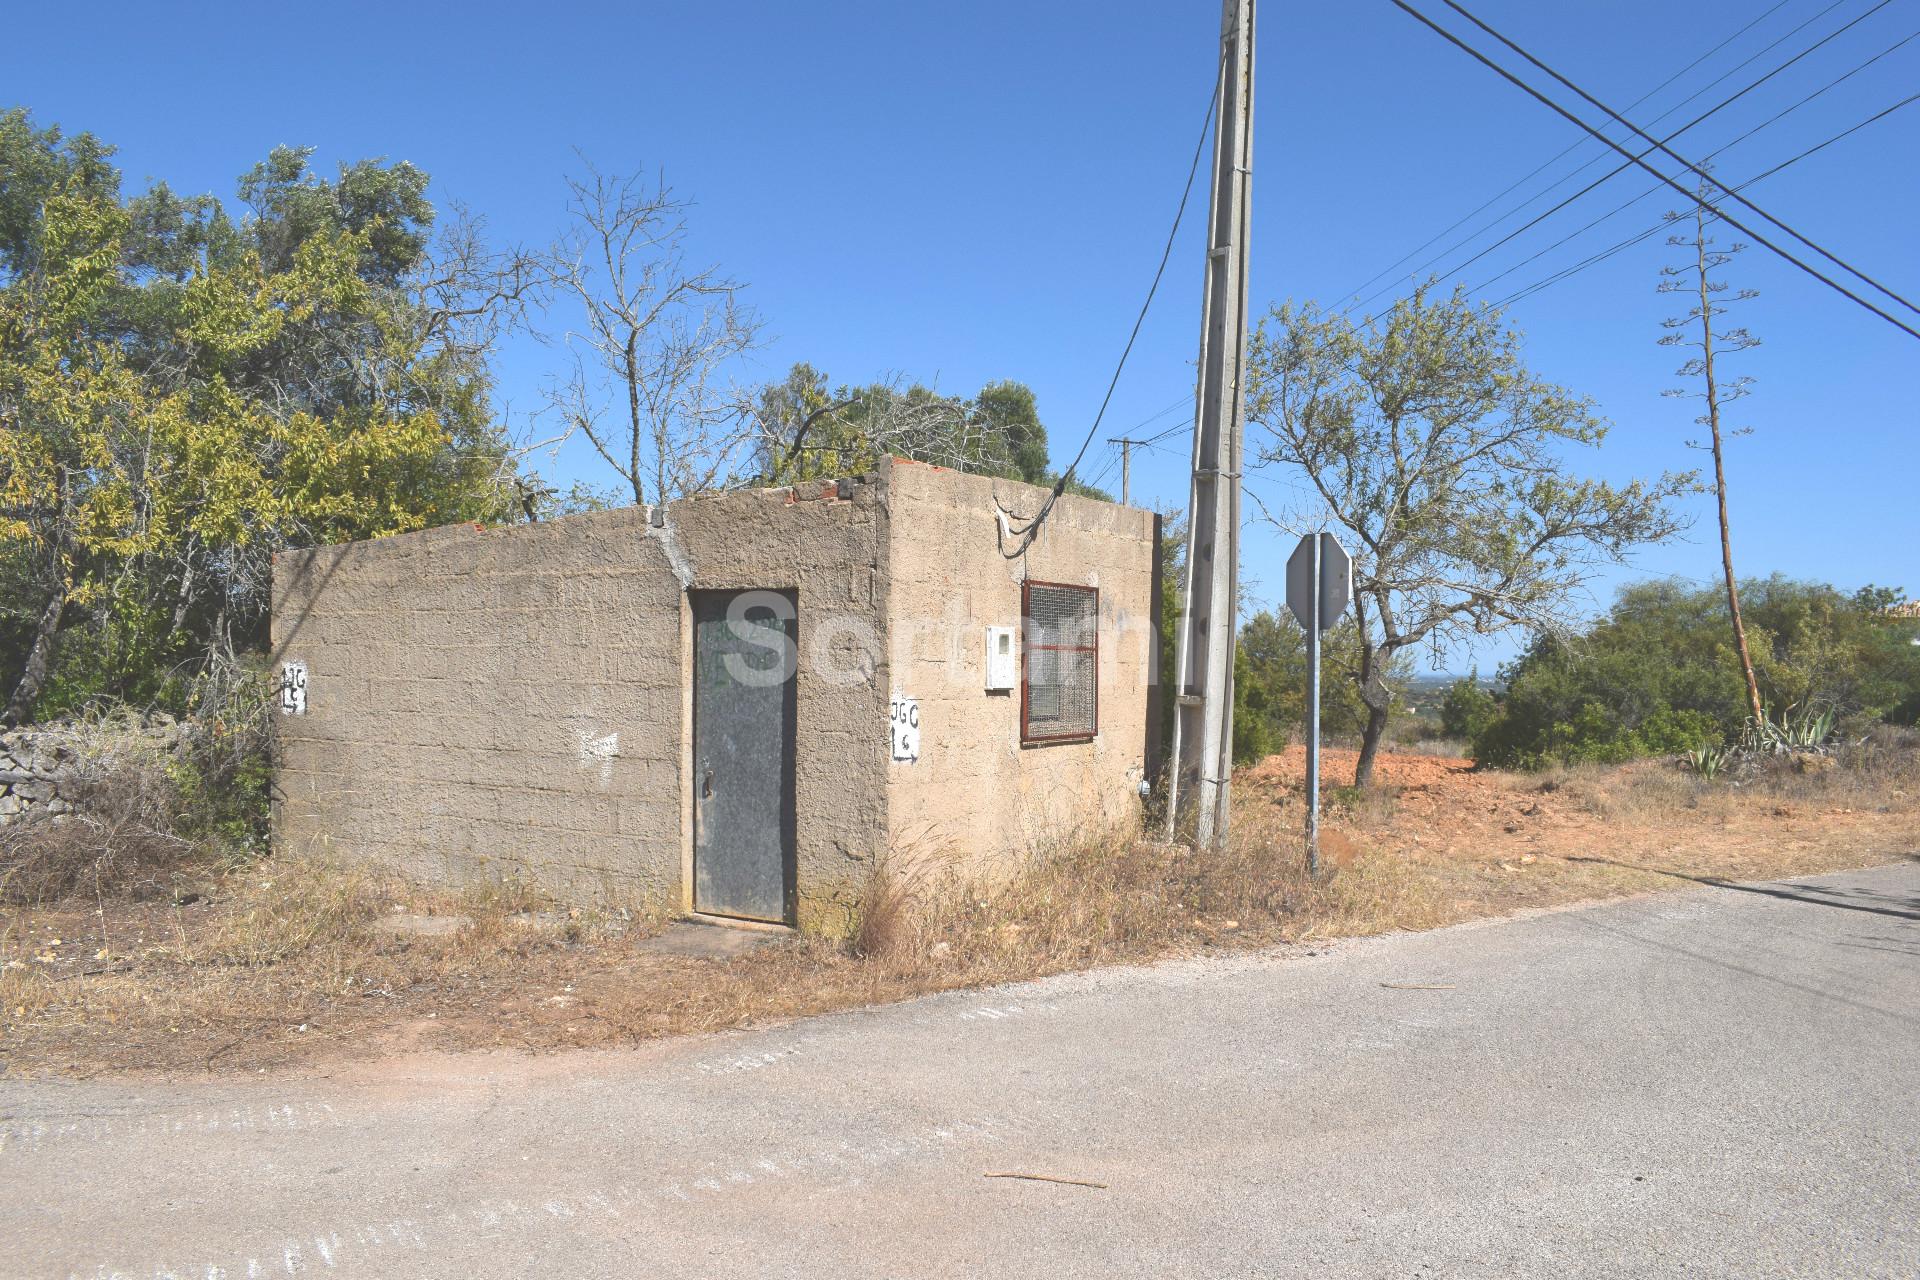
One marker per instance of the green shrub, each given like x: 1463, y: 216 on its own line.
x: 223, y: 770
x: 1270, y: 684
x: 1467, y: 709
x: 1670, y: 732
x: 1658, y: 676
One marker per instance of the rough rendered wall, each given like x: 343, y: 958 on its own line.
x: 486, y: 701
x: 976, y: 793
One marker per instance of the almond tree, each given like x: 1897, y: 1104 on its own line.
x: 648, y: 385
x: 1440, y: 457
x: 1694, y: 277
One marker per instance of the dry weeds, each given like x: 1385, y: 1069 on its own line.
x: 121, y: 841
x: 275, y: 964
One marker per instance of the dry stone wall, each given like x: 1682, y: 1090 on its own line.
x: 47, y: 770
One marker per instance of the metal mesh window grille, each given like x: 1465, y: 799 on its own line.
x: 1060, y: 685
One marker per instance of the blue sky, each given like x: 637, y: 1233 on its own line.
x: 962, y: 193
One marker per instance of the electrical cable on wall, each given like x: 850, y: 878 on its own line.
x: 1029, y: 530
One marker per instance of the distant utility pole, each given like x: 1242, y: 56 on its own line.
x: 1197, y: 789
x: 1126, y: 465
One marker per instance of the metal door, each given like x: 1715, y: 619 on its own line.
x: 744, y: 650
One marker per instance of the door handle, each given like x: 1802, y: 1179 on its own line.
x: 706, y: 786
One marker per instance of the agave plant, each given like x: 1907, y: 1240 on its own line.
x: 1806, y: 730
x: 1709, y: 761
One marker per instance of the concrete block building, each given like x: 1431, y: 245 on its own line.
x: 734, y: 703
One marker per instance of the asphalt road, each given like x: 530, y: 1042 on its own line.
x: 1721, y: 1082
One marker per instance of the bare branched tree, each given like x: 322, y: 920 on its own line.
x: 1426, y: 439
x: 648, y: 387
x: 1694, y: 277
x: 468, y: 294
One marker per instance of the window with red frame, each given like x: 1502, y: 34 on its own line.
x: 1060, y: 674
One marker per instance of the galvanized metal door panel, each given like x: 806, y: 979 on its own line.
x: 744, y: 643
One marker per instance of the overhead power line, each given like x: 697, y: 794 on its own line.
x: 1704, y: 176
x: 1174, y: 430
x: 1127, y: 444
x: 1751, y: 58
x: 1764, y: 124
x: 1640, y: 160
x: 1631, y: 159
x: 1571, y: 147
x: 1158, y: 414
x: 1597, y: 258
x: 1101, y: 476
x: 1031, y: 528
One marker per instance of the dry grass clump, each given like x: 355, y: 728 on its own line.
x: 1113, y: 896
x: 289, y: 962
x: 1875, y: 772
x: 269, y: 962
x: 1642, y: 792
x: 1108, y: 897
x: 883, y: 923
x: 1449, y: 748
x: 289, y: 912
x: 42, y: 859
x: 120, y: 837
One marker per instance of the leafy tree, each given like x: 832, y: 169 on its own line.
x: 801, y: 428
x: 182, y: 396
x: 384, y: 205
x: 1011, y: 423
x: 36, y: 164
x: 1818, y: 648
x: 807, y: 429
x: 1425, y: 437
x: 65, y: 400
x: 1269, y: 694
x: 1270, y: 685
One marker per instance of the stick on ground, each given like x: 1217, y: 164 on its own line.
x: 1042, y: 1177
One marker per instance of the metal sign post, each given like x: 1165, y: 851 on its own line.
x: 1319, y: 586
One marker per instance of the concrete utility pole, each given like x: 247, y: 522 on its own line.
x: 1197, y: 792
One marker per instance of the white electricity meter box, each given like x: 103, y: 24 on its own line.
x: 1003, y: 660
